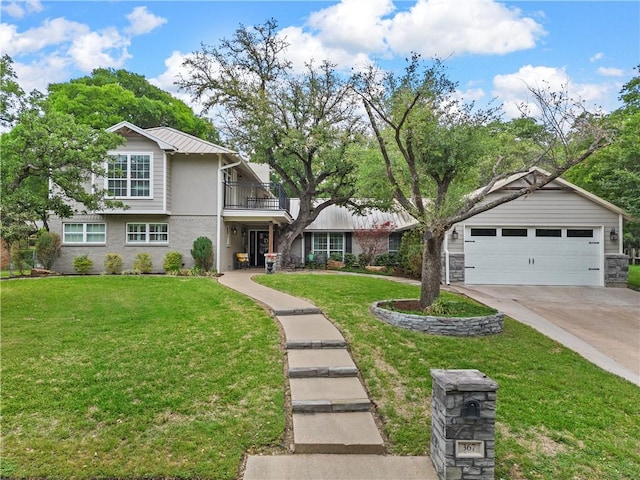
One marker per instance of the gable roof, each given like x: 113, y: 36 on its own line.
x: 504, y: 183
x: 127, y: 127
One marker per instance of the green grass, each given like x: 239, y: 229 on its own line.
x: 558, y: 417
x: 106, y: 377
x: 634, y: 276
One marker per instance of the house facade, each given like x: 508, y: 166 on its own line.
x: 177, y: 188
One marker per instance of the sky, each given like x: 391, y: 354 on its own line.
x: 493, y: 49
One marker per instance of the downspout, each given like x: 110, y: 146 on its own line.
x: 446, y: 259
x: 221, y: 207
x: 620, y: 236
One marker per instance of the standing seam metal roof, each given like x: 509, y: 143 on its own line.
x: 185, y: 143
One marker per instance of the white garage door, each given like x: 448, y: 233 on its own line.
x: 532, y: 256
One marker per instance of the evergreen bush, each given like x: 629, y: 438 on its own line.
x: 113, y: 263
x: 172, y: 262
x: 82, y: 264
x: 202, y: 253
x: 143, y: 263
x: 48, y: 248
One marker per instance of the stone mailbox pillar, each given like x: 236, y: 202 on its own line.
x: 463, y: 421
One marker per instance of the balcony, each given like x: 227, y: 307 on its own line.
x: 253, y: 201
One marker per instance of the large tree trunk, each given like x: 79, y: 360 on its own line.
x: 431, y: 268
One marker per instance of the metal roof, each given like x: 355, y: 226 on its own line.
x: 340, y: 219
x: 185, y: 143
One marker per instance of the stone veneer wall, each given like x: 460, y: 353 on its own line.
x: 447, y: 326
x: 616, y: 270
x: 456, y: 268
x: 463, y: 446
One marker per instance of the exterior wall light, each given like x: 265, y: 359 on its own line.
x: 613, y: 235
x: 234, y: 230
x: 454, y: 234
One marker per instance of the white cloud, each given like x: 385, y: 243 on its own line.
x: 20, y: 9
x: 166, y: 80
x: 354, y: 25
x: 51, y: 32
x: 611, y: 72
x: 94, y: 49
x: 596, y: 57
x: 142, y: 21
x: 304, y: 47
x: 443, y: 28
x: 513, y: 89
x: 39, y: 74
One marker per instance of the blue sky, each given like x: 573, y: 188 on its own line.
x: 493, y: 48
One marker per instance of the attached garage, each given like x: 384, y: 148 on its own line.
x: 533, y: 255
x: 557, y: 235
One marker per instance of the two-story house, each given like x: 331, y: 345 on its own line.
x: 176, y: 188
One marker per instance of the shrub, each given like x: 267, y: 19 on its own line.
x: 21, y: 258
x: 410, y: 253
x: 82, y: 264
x: 385, y: 259
x: 336, y: 257
x: 202, y: 253
x: 172, y: 262
x: 113, y: 263
x: 350, y: 259
x: 143, y: 263
x: 364, y: 259
x: 48, y: 248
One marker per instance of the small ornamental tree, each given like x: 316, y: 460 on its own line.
x: 48, y: 248
x: 373, y: 240
x: 202, y: 253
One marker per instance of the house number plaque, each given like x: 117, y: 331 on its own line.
x: 469, y: 449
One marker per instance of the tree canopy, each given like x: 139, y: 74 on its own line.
x: 109, y: 96
x: 441, y: 156
x: 303, y: 125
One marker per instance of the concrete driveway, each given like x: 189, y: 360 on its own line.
x: 601, y: 324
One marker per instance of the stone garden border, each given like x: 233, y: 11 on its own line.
x: 446, y: 326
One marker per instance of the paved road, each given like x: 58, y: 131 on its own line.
x: 601, y: 324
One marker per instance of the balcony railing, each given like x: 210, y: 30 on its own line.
x: 255, y: 196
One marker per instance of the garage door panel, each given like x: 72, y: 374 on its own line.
x: 540, y: 258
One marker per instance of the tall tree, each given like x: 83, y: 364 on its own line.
x: 109, y: 96
x: 614, y: 173
x: 11, y: 94
x: 434, y: 149
x: 302, y: 125
x: 48, y: 159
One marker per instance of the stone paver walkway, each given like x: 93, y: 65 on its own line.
x: 334, y: 432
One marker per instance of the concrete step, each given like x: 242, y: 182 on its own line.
x: 332, y: 362
x: 336, y: 433
x: 321, y: 394
x: 338, y: 467
x: 310, y: 331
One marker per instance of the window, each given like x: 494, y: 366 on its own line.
x: 147, y: 233
x: 129, y: 175
x: 84, y: 233
x: 580, y: 233
x: 394, y: 242
x: 328, y: 243
x: 514, y: 232
x: 548, y: 232
x: 483, y: 232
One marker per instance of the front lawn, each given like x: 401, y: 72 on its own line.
x: 559, y: 416
x: 147, y: 377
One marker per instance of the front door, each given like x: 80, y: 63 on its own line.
x: 258, y: 246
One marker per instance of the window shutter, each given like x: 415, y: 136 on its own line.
x: 347, y: 242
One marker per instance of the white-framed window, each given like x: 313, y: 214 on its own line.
x: 147, y: 233
x: 395, y: 239
x: 328, y: 243
x: 129, y: 175
x: 84, y: 233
